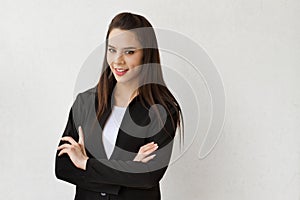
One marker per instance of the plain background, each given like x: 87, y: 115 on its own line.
x: 254, y: 44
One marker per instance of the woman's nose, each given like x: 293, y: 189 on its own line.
x: 119, y: 59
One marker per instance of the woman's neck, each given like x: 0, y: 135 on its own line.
x: 123, y: 94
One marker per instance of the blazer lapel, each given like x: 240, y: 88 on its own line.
x: 126, y: 144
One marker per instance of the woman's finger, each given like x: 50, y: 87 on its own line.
x: 148, y: 158
x: 147, y: 147
x: 69, y: 139
x: 81, y: 140
x: 64, y: 146
x: 150, y: 150
x: 81, y: 136
x: 151, y: 147
x: 63, y: 151
x: 145, y: 150
x: 143, y: 155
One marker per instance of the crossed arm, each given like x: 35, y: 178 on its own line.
x: 76, y: 165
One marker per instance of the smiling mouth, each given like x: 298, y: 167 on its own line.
x: 119, y: 68
x: 120, y: 71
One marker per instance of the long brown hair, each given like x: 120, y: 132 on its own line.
x: 148, y: 90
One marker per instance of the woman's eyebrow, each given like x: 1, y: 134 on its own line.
x: 123, y: 48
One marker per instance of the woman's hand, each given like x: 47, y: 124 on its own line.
x: 144, y: 151
x: 76, y: 151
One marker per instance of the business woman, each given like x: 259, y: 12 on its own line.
x: 119, y: 136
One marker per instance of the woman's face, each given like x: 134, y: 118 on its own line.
x: 124, y: 55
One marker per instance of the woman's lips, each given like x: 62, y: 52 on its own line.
x: 120, y: 73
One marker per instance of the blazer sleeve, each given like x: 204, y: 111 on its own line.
x: 65, y: 169
x: 101, y: 173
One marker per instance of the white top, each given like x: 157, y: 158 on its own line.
x: 111, y: 128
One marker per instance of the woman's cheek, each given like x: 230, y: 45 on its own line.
x: 108, y: 59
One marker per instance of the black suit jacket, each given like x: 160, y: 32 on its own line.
x: 118, y: 177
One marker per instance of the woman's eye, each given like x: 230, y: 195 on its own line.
x: 129, y: 52
x: 111, y: 50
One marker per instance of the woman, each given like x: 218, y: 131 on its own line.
x: 118, y: 140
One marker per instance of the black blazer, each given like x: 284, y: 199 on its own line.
x: 118, y: 177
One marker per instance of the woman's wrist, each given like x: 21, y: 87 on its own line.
x: 83, y: 163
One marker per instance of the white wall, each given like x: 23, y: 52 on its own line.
x: 253, y: 44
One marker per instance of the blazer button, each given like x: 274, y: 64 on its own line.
x: 103, y: 194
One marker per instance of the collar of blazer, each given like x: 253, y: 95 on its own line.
x: 131, y: 134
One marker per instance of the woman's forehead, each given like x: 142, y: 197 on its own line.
x: 123, y: 39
